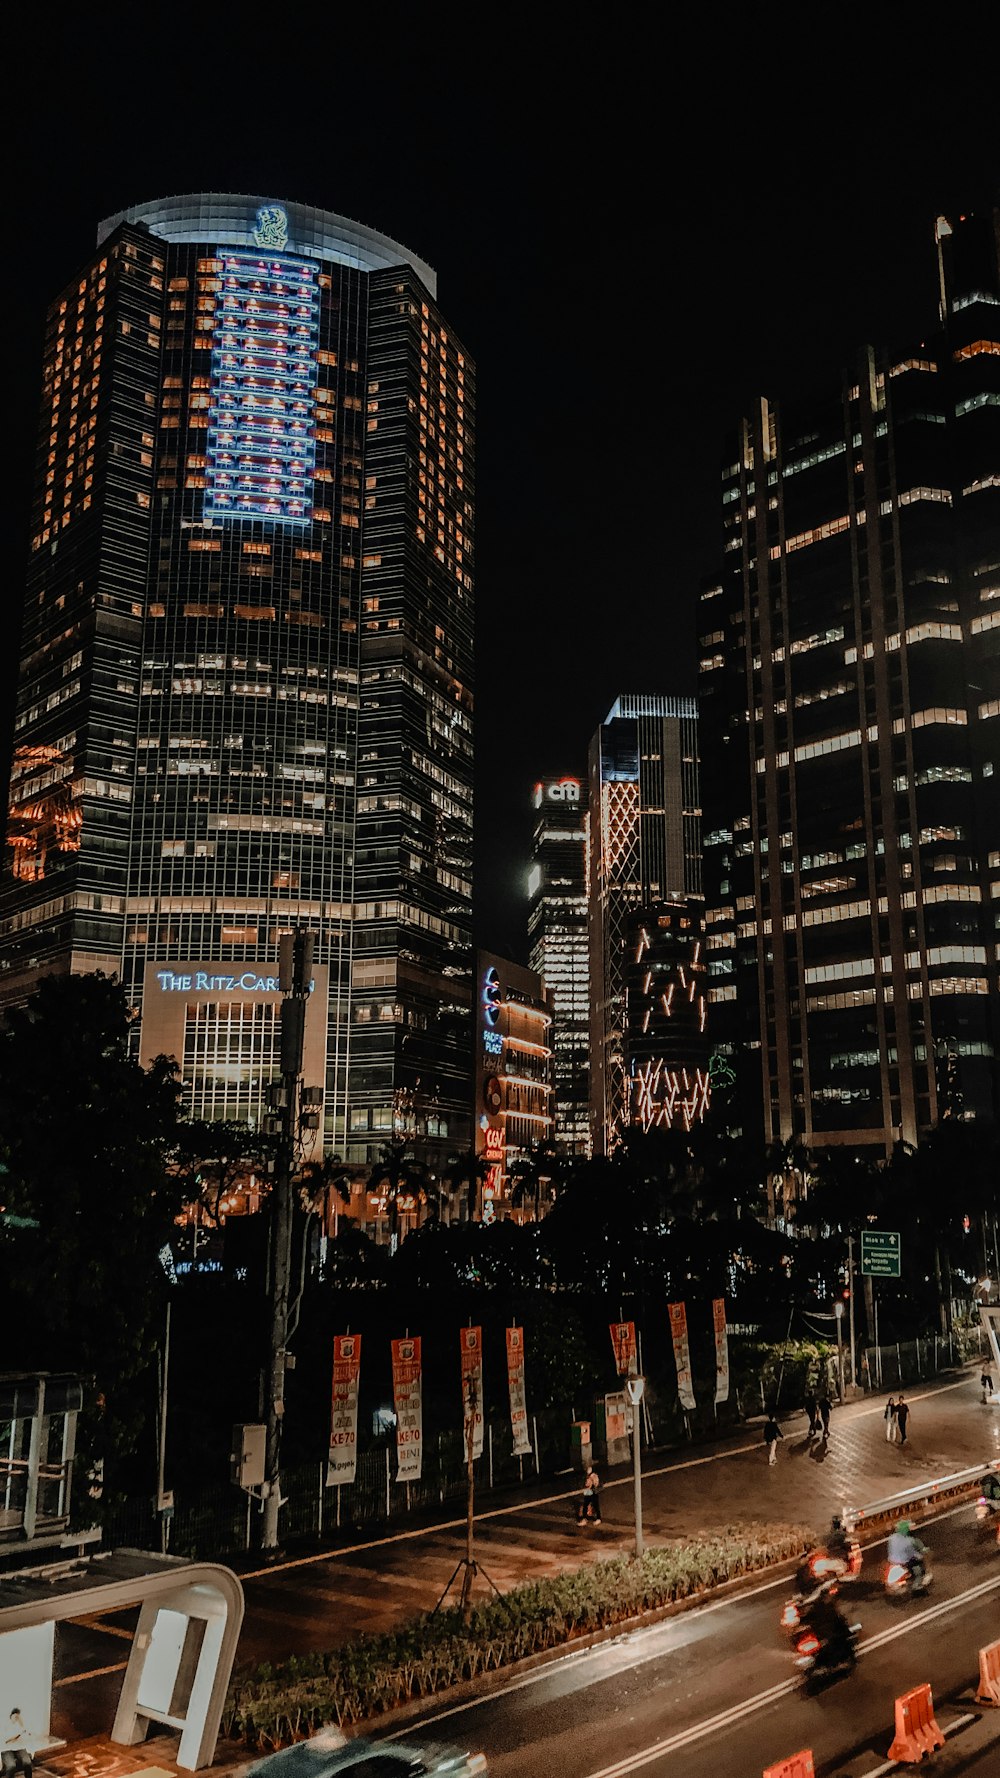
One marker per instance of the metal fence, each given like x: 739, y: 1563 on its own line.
x: 221, y: 1520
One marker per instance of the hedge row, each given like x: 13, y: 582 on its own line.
x: 370, y: 1674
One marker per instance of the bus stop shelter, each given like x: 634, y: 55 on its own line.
x: 181, y: 1657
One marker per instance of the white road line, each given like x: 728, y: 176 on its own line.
x: 95, y: 1673
x: 524, y: 1506
x: 749, y: 1706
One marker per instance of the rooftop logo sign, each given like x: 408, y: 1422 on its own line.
x: 271, y: 227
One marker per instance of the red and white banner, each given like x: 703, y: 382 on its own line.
x: 518, y: 1397
x: 625, y: 1349
x: 682, y: 1353
x: 344, y: 1415
x: 472, y: 1389
x: 408, y: 1399
x: 721, y: 1349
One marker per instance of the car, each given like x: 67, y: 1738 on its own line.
x: 331, y: 1754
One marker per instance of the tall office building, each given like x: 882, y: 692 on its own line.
x: 513, y: 1082
x: 649, y: 1057
x: 850, y: 715
x: 558, y: 937
x: 245, y: 698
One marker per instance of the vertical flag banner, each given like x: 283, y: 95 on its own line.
x: 408, y: 1399
x: 682, y: 1354
x: 344, y: 1416
x: 472, y: 1389
x: 626, y: 1352
x: 721, y: 1349
x: 518, y: 1398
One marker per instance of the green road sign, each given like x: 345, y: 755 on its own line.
x: 879, y: 1254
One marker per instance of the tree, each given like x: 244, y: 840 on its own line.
x: 89, y: 1201
x: 398, y: 1175
x: 213, y: 1157
x: 468, y: 1171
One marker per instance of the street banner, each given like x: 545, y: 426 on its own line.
x: 518, y: 1398
x: 682, y: 1354
x: 344, y: 1416
x: 406, y: 1394
x: 472, y: 1389
x: 721, y: 1349
x: 616, y: 1417
x: 625, y: 1349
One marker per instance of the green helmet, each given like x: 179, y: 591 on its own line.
x: 904, y: 1527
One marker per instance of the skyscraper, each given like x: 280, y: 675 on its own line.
x: 850, y: 716
x: 649, y: 1059
x: 558, y: 936
x: 245, y: 699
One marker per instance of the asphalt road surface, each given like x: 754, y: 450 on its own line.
x: 713, y: 1693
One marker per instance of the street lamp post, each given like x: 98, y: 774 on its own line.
x: 838, y: 1310
x: 635, y: 1387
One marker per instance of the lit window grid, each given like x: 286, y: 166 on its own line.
x: 261, y: 437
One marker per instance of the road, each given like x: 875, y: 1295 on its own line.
x: 712, y: 1693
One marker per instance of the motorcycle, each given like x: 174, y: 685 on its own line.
x: 820, y: 1657
x: 903, y: 1582
x: 988, y: 1515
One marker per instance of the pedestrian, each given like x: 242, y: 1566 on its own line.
x: 813, y: 1417
x: 590, y: 1505
x: 890, y: 1420
x: 772, y: 1433
x: 902, y: 1415
x: 825, y: 1410
x: 986, y: 1382
x: 17, y: 1748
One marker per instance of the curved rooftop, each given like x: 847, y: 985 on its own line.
x: 229, y: 219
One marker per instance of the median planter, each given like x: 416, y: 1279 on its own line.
x: 369, y: 1675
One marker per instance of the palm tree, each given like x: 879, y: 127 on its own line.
x: 318, y: 1183
x: 398, y: 1174
x: 539, y: 1166
x: 469, y: 1170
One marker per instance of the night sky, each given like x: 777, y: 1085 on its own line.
x: 633, y: 237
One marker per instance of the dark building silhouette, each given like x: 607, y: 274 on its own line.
x: 850, y: 723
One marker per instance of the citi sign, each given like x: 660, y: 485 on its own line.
x: 559, y: 790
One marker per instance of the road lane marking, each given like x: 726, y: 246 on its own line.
x: 93, y: 1622
x: 749, y: 1706
x: 524, y: 1506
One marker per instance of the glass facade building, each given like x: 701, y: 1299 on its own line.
x: 558, y: 937
x: 850, y: 715
x: 245, y: 698
x: 649, y: 1058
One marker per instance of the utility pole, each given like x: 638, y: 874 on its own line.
x: 850, y: 1281
x: 838, y: 1310
x: 294, y: 976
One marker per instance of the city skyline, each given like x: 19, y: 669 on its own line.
x: 585, y: 464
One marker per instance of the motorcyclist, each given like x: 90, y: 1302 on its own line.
x: 908, y: 1550
x: 839, y: 1543
x: 826, y: 1620
x: 809, y: 1581
x: 989, y: 1488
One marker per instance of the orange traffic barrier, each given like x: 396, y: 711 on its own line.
x: 989, y: 1674
x: 800, y: 1765
x: 916, y: 1731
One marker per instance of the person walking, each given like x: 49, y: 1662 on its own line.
x: 986, y: 1382
x: 902, y: 1416
x: 772, y: 1433
x: 890, y: 1420
x: 825, y: 1410
x: 811, y: 1411
x: 589, y: 1507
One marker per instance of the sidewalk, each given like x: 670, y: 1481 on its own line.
x: 310, y: 1602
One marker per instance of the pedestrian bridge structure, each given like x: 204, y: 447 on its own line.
x: 182, y: 1652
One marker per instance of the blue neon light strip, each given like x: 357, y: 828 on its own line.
x: 261, y: 422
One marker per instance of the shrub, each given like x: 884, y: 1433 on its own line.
x: 370, y: 1674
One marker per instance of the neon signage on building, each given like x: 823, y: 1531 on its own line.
x: 198, y: 981
x: 492, y: 997
x: 562, y: 790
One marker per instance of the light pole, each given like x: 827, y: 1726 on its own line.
x: 635, y: 1387
x: 838, y: 1310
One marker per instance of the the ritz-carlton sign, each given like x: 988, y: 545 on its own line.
x: 200, y: 982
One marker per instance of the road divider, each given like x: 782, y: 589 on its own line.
x: 799, y: 1766
x: 917, y: 1731
x: 989, y: 1674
